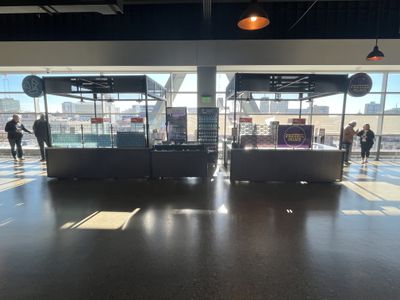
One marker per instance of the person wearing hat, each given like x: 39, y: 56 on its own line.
x: 347, y: 142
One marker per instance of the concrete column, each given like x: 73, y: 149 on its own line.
x: 206, y: 86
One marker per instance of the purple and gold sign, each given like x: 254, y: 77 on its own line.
x: 295, y: 136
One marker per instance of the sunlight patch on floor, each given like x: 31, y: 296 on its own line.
x: 384, y: 190
x: 384, y: 211
x: 14, y: 183
x: 355, y: 187
x: 103, y: 220
x: 396, y: 170
x: 8, y: 173
x: 34, y: 173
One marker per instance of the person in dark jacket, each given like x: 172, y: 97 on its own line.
x: 367, y: 138
x: 14, y: 129
x: 41, y: 130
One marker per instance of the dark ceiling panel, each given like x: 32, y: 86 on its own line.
x: 326, y: 20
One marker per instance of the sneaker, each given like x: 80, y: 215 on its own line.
x: 42, y: 160
x: 22, y: 158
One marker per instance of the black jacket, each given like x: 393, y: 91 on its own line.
x: 14, y: 129
x: 41, y: 129
x: 368, y: 139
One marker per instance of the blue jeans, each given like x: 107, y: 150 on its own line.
x: 347, y: 148
x: 16, y: 142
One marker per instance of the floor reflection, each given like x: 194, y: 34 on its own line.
x: 194, y: 239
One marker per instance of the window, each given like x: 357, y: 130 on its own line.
x: 391, y: 125
x: 377, y: 81
x: 369, y: 104
x: 392, y: 105
x: 393, y: 84
x: 223, y: 81
x: 328, y: 105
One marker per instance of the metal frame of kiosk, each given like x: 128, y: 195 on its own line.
x: 317, y: 164
x: 101, y: 162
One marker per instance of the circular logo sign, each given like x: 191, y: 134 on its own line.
x: 33, y: 86
x: 360, y: 84
x: 295, y: 136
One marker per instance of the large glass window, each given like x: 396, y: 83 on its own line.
x: 361, y: 120
x: 392, y: 105
x: 393, y: 84
x: 367, y: 105
x: 377, y: 82
x: 390, y: 146
x: 68, y: 114
x: 391, y: 125
x: 328, y: 105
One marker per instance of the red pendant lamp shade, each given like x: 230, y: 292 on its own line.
x: 375, y: 54
x: 254, y: 17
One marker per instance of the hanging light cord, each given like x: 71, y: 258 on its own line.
x: 378, y: 19
x: 303, y: 15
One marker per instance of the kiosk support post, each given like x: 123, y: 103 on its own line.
x: 46, y: 112
x: 312, y: 109
x: 234, y: 116
x: 225, y: 142
x: 342, y: 121
x: 95, y: 105
x: 301, y: 104
x: 147, y: 121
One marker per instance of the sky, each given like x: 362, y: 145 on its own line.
x: 12, y: 83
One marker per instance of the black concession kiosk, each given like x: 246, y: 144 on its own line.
x: 118, y: 154
x: 281, y: 152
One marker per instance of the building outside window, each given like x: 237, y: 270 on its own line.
x: 380, y: 108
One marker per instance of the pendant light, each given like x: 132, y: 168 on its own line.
x: 254, y: 17
x: 376, y: 54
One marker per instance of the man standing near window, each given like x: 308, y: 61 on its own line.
x: 41, y: 130
x: 348, y: 134
x: 14, y: 129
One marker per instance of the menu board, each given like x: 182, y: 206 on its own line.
x: 295, y: 136
x: 177, y: 125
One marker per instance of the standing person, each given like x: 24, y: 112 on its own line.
x: 367, y: 137
x: 41, y: 130
x: 347, y: 142
x: 14, y: 129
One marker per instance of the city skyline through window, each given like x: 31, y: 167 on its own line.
x: 380, y: 108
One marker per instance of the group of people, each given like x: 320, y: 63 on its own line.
x: 367, y: 139
x: 15, y: 131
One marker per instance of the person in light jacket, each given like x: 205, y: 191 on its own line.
x: 347, y: 142
x: 367, y: 138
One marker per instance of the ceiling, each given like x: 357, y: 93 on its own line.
x: 184, y: 20
x: 221, y: 1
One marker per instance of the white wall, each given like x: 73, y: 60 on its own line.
x: 185, y: 55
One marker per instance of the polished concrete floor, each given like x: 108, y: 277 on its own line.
x: 188, y: 239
